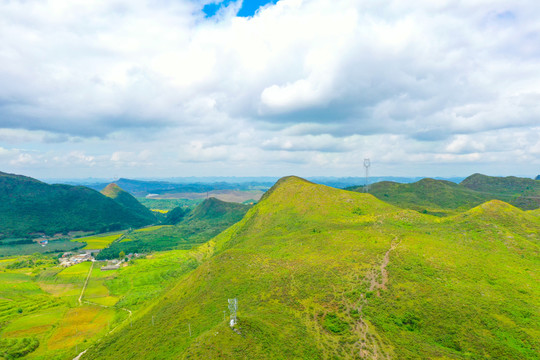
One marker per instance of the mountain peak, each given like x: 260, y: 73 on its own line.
x: 112, y: 190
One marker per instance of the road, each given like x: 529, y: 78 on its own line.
x: 86, y: 283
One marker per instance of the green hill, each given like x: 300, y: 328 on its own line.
x: 176, y: 215
x: 440, y: 197
x: 428, y: 195
x: 521, y: 192
x: 205, y: 221
x: 30, y: 206
x: 322, y: 273
x: 125, y: 199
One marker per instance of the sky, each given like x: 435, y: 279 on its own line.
x: 171, y: 88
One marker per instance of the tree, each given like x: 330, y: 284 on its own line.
x: 122, y: 254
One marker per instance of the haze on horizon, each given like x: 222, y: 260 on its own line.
x: 306, y: 87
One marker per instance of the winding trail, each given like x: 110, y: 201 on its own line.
x: 369, y: 344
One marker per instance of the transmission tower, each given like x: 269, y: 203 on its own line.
x: 233, y: 307
x: 367, y: 164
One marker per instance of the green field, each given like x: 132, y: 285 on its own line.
x: 54, y: 246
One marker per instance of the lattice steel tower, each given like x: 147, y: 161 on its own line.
x: 233, y: 307
x: 367, y: 164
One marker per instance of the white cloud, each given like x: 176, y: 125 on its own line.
x: 313, y: 82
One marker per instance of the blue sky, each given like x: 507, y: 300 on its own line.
x: 135, y: 88
x: 249, y: 7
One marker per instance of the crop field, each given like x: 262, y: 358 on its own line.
x: 96, y: 291
x: 161, y: 211
x: 151, y: 228
x: 60, y: 245
x: 39, y: 309
x: 78, y: 324
x: 98, y: 242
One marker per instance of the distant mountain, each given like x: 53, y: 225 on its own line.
x: 30, y: 206
x: 521, y: 192
x: 322, y: 273
x: 186, y: 229
x: 142, y: 188
x: 427, y: 195
x: 537, y: 177
x: 125, y: 199
x: 175, y: 186
x: 440, y: 197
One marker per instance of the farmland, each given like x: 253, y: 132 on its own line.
x: 100, y: 241
x: 39, y: 309
x: 7, y: 248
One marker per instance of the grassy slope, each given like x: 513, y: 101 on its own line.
x: 126, y: 200
x: 307, y: 265
x: 28, y: 205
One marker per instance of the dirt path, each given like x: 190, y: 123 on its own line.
x: 86, y: 283
x: 96, y: 304
x: 369, y: 344
x: 79, y: 356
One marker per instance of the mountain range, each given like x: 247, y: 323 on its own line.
x: 440, y: 197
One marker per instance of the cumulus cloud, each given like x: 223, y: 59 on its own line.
x: 314, y: 82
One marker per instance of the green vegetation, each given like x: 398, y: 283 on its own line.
x: 169, y: 204
x: 322, y: 273
x: 29, y: 207
x: 443, y: 198
x: 126, y: 200
x: 176, y: 215
x: 521, y: 192
x: 27, y: 246
x: 204, y: 222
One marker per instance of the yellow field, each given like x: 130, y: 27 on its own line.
x: 98, y: 242
x: 160, y: 211
x: 125, y: 240
x: 151, y: 228
x: 78, y: 324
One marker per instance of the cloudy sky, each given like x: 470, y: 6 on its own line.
x: 138, y: 88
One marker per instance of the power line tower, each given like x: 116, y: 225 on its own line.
x: 233, y: 307
x: 367, y: 164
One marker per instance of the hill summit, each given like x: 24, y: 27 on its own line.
x: 112, y: 190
